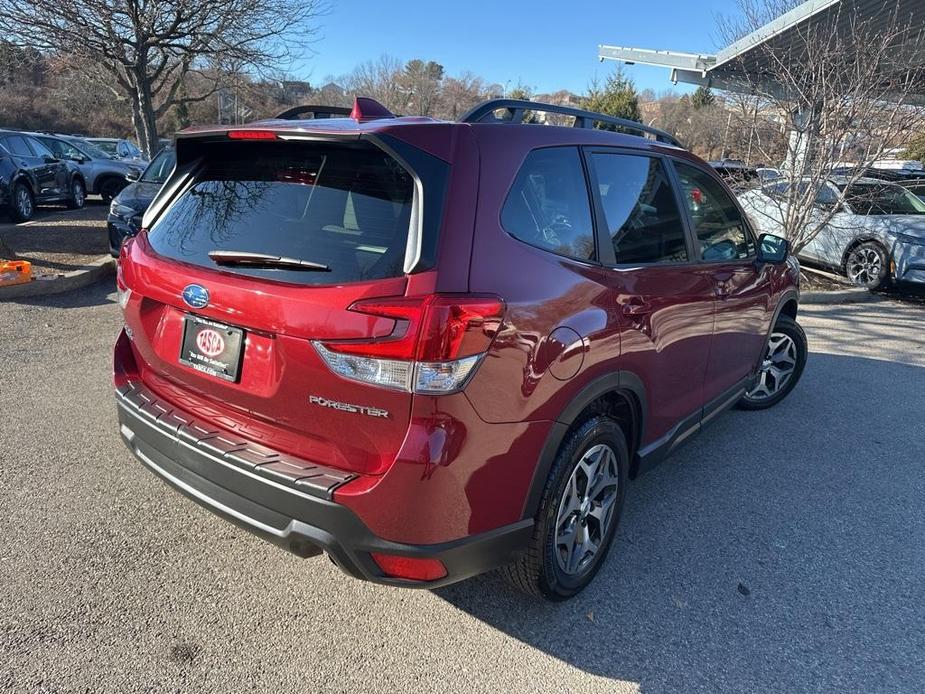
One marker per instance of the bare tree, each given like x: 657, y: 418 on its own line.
x: 143, y: 50
x: 379, y: 80
x: 846, y: 89
x: 459, y: 94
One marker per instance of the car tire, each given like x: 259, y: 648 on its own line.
x: 110, y: 188
x: 550, y: 567
x: 78, y: 195
x: 868, y: 265
x: 782, y: 365
x: 22, y: 205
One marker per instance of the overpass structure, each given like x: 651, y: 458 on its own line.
x: 745, y: 62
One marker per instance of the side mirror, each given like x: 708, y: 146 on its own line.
x: 773, y: 249
x: 132, y: 176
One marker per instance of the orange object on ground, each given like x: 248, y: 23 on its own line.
x: 15, y: 272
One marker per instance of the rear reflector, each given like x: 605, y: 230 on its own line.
x: 435, y: 344
x: 412, y: 568
x: 251, y: 135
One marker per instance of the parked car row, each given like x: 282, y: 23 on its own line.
x: 50, y: 168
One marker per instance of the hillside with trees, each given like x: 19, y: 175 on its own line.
x: 52, y: 91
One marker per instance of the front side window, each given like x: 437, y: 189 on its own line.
x: 548, y: 204
x: 718, y: 224
x: 89, y: 150
x: 345, y: 209
x: 40, y: 149
x: 882, y: 199
x: 640, y: 209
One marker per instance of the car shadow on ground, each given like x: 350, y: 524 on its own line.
x: 780, y: 550
x: 97, y: 294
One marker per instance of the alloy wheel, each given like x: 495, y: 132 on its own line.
x: 865, y: 267
x: 78, y: 193
x: 586, y: 509
x: 780, y: 361
x: 24, y: 202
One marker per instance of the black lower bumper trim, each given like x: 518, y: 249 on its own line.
x: 301, y: 521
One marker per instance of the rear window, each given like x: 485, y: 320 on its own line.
x: 348, y: 207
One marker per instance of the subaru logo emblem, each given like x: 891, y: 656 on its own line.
x: 196, y: 295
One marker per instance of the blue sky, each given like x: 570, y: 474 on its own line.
x: 543, y: 44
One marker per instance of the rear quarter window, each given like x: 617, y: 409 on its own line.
x: 548, y: 205
x: 346, y: 207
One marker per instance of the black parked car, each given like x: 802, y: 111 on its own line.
x: 737, y: 174
x: 31, y: 175
x: 128, y: 206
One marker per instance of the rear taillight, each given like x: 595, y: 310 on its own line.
x: 434, y: 347
x: 123, y: 292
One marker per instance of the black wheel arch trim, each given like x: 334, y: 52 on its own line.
x: 623, y: 383
x: 788, y: 296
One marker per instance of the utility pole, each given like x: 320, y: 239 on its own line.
x: 726, y: 135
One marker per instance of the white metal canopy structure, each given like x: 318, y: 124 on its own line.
x: 724, y: 70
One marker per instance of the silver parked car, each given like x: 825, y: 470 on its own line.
x: 877, y: 233
x: 104, y: 175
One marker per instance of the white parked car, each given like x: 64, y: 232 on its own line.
x: 876, y: 235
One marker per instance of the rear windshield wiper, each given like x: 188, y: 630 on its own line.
x: 264, y: 260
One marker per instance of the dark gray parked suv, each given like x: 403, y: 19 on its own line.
x: 31, y: 175
x: 104, y: 175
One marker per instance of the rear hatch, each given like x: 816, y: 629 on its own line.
x: 251, y: 267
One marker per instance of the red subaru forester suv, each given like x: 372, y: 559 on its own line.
x: 430, y: 349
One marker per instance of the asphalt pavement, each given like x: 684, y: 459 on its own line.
x: 779, y: 551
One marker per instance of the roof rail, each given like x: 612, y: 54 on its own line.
x: 484, y: 113
x: 317, y: 111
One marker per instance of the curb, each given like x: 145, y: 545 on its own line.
x: 839, y: 296
x: 75, y: 279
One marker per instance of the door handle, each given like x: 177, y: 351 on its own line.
x: 637, y: 307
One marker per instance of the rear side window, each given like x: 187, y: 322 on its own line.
x: 18, y: 145
x: 640, y: 209
x: 348, y: 207
x: 548, y: 205
x: 717, y: 221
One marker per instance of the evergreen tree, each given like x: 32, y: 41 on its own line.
x: 702, y: 97
x: 618, y: 98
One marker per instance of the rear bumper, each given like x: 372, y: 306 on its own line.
x: 285, y: 500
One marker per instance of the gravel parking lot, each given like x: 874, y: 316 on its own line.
x: 779, y: 551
